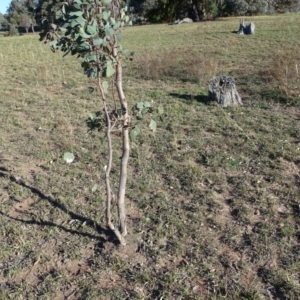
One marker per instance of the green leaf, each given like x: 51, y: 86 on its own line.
x: 93, y: 25
x: 53, y: 43
x: 117, y: 25
x: 119, y: 35
x: 105, y: 15
x: 65, y: 25
x: 85, y: 65
x: 160, y: 110
x: 83, y: 47
x: 109, y: 31
x: 92, y: 58
x: 91, y: 30
x: 147, y: 104
x: 139, y: 115
x: 83, y: 34
x: 79, y: 21
x: 98, y: 42
x: 134, y: 133
x: 76, y: 13
x: 110, y: 70
x: 112, y: 21
x: 105, y: 86
x: 91, y: 89
x: 77, y: 6
x: 63, y: 9
x: 140, y: 105
x: 152, y: 125
x: 69, y: 157
x: 94, y: 188
x: 58, y: 14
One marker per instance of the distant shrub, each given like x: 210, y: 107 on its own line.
x: 154, y: 15
x: 257, y: 7
x: 13, y: 31
x: 235, y: 7
x: 142, y: 7
x: 140, y: 10
x: 246, y: 7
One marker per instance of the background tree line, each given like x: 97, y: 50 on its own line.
x: 27, y: 13
x: 21, y: 13
x: 168, y: 10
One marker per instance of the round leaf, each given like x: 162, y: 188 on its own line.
x: 160, y: 110
x: 147, y: 104
x: 140, y: 105
x: 94, y: 188
x: 152, y: 125
x: 134, y: 133
x: 69, y: 157
x: 109, y: 69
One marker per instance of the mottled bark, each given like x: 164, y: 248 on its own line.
x: 125, y: 145
x: 223, y: 90
x: 246, y: 29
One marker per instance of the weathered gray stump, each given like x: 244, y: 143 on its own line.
x: 246, y: 29
x: 222, y: 89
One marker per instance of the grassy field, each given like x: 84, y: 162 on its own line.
x: 213, y: 197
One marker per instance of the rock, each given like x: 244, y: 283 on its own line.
x: 186, y: 20
x: 223, y: 90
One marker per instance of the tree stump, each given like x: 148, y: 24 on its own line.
x: 246, y: 29
x: 223, y: 90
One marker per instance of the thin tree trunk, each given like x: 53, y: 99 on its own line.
x: 125, y: 145
x: 108, y: 169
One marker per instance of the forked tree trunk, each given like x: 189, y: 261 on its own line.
x: 122, y: 230
x: 223, y: 90
x: 125, y: 144
x: 108, y: 167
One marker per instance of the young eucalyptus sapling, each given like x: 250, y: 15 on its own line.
x: 92, y: 30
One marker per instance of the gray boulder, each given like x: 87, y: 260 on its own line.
x: 185, y: 20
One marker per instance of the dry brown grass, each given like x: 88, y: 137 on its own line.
x: 173, y: 65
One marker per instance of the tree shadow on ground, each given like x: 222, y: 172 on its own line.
x: 190, y: 97
x: 110, y: 236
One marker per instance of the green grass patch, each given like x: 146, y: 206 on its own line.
x: 212, y: 198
